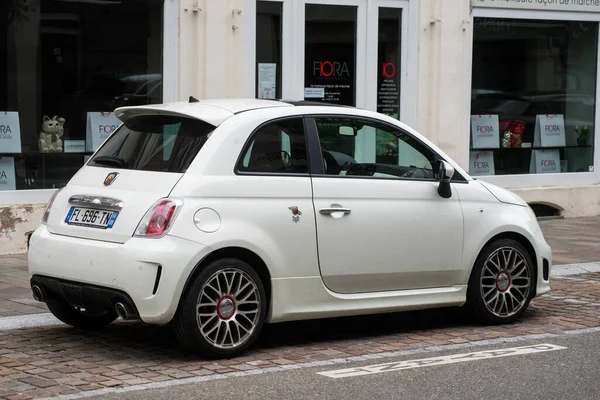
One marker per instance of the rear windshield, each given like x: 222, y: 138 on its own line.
x: 154, y: 143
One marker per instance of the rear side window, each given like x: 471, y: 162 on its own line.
x: 154, y: 143
x: 278, y: 147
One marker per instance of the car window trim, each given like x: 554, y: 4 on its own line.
x: 313, y: 135
x: 242, y: 154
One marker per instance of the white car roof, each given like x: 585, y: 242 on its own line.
x: 213, y: 111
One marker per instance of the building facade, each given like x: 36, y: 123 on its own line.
x: 507, y: 87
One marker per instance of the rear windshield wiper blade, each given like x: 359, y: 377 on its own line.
x: 107, y: 160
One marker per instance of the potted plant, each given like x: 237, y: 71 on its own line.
x: 582, y: 134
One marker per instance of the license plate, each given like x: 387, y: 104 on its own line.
x: 91, y: 217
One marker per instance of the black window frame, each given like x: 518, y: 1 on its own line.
x: 316, y: 156
x: 250, y: 139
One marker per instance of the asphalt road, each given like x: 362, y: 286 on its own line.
x: 568, y: 369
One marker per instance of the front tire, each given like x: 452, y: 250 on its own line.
x: 81, y: 319
x: 502, y: 282
x: 223, y: 311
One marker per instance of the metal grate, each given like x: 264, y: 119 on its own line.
x: 72, y: 294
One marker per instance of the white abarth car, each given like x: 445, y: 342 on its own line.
x: 217, y: 216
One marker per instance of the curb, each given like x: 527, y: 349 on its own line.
x: 575, y: 269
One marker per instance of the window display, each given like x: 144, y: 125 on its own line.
x: 533, y: 96
x: 268, y: 49
x: 65, y: 67
x: 330, y: 53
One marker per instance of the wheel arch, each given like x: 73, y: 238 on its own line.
x: 525, y: 242
x: 241, y: 253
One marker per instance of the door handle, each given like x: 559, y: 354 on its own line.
x: 329, y: 211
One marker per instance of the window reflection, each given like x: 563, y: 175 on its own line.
x: 533, y: 96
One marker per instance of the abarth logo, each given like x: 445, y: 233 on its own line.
x: 296, y: 213
x: 110, y: 178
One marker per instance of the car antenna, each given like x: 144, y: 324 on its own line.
x: 193, y: 99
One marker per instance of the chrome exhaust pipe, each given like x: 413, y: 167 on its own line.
x: 37, y: 293
x: 121, y: 310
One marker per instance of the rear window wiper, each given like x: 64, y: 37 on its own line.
x: 108, y: 160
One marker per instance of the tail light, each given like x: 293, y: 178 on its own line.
x: 49, y: 207
x: 159, y: 218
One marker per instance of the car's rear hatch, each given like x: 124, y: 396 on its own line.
x: 139, y: 164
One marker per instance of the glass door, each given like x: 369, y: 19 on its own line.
x: 332, y: 42
x: 387, y: 56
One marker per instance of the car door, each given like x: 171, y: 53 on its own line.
x: 381, y: 224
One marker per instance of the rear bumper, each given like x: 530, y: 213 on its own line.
x: 82, y: 295
x: 148, y: 273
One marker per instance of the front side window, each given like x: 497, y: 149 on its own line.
x: 533, y: 99
x: 278, y: 147
x: 353, y: 147
x: 154, y: 143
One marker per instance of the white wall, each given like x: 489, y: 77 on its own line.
x: 443, y: 90
x: 212, y: 49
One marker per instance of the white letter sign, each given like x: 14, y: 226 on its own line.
x: 485, y: 131
x: 7, y: 173
x: 549, y: 131
x: 100, y: 125
x: 10, y: 132
x: 267, y: 80
x: 482, y: 163
x: 542, y: 5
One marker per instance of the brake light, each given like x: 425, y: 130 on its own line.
x: 49, y: 207
x: 158, y: 219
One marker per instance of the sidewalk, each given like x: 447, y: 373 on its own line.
x: 573, y: 241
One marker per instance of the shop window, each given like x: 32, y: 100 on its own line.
x: 64, y: 69
x: 330, y: 53
x: 268, y: 49
x: 533, y: 96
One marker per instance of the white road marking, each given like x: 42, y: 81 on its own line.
x: 449, y: 359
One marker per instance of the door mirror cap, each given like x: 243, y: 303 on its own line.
x: 445, y: 171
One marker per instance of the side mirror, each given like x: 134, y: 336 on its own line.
x: 445, y: 172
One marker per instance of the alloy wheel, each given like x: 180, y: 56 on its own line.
x: 228, y: 308
x: 505, y: 282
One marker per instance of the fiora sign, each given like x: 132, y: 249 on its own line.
x: 389, y: 70
x: 331, y: 69
x: 548, y: 5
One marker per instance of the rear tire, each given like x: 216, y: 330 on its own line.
x: 81, y: 319
x: 223, y: 311
x: 502, y: 282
